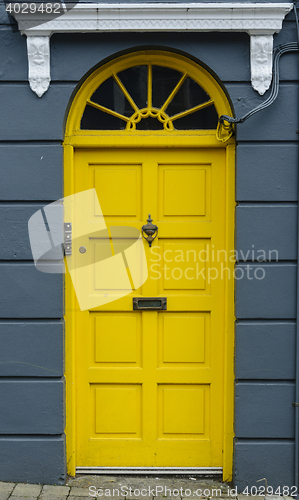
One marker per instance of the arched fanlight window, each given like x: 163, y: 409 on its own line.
x: 149, y: 97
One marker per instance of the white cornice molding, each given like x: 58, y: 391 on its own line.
x: 253, y: 18
x: 259, y: 20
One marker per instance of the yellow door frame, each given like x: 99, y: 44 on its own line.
x: 76, y: 138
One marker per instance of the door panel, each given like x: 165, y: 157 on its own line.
x: 177, y: 194
x: 124, y: 200
x: 150, y: 383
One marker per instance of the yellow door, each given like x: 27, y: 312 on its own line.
x: 150, y: 384
x: 150, y: 388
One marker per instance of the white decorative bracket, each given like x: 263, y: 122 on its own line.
x: 259, y: 20
x: 38, y: 49
x: 261, y: 50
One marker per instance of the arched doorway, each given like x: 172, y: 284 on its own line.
x: 150, y: 387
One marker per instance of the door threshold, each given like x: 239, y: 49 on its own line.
x: 206, y: 471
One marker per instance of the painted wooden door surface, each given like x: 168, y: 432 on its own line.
x: 149, y: 384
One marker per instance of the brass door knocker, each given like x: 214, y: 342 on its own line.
x: 149, y: 229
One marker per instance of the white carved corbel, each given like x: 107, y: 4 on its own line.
x: 261, y: 50
x: 38, y: 48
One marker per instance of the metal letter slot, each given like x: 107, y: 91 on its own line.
x: 150, y: 304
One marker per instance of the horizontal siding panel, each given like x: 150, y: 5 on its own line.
x: 14, y: 231
x: 24, y: 116
x: 257, y: 414
x: 94, y: 47
x: 274, y: 296
x: 90, y: 48
x: 13, y: 62
x: 31, y: 172
x: 14, y: 236
x: 273, y: 459
x: 19, y: 103
x: 288, y: 69
x: 33, y: 460
x: 236, y: 67
x: 265, y: 350
x: 29, y: 293
x: 266, y: 233
x: 32, y: 407
x: 271, y: 124
x: 31, y: 349
x: 267, y: 172
x: 4, y: 19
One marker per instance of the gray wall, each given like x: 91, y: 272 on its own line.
x: 266, y: 219
x: 32, y: 390
x: 31, y: 306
